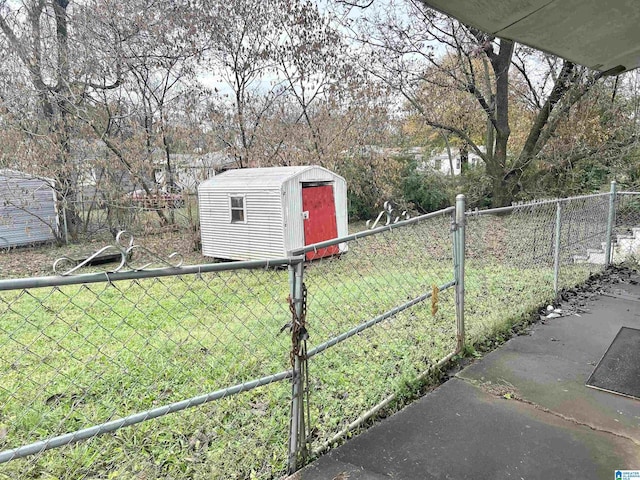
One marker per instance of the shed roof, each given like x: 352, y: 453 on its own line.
x: 266, y: 177
x: 14, y: 174
x: 8, y: 172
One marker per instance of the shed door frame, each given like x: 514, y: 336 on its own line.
x: 325, y: 230
x: 319, y: 183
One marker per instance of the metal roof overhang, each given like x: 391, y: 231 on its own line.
x: 600, y: 34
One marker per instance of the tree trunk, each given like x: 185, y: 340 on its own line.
x: 54, y: 100
x: 496, y: 168
x: 449, y: 155
x: 169, y: 179
x: 66, y: 176
x: 464, y: 158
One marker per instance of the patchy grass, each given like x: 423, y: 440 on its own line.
x: 74, y: 356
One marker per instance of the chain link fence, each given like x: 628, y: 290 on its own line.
x: 509, y: 265
x: 520, y: 257
x: 136, y: 212
x: 123, y: 349
x: 248, y: 369
x: 584, y: 229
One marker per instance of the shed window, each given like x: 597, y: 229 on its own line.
x: 238, y: 214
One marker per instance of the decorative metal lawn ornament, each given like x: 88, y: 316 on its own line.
x: 392, y: 211
x: 122, y: 249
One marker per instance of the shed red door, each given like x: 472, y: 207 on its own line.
x: 320, y: 219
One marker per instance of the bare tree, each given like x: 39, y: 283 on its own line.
x: 41, y: 35
x: 418, y: 51
x: 240, y: 42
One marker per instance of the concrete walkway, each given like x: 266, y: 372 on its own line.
x: 521, y: 412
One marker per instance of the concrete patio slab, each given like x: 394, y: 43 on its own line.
x: 550, y: 366
x: 461, y: 432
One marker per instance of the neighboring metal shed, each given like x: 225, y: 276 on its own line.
x: 261, y: 213
x: 27, y: 209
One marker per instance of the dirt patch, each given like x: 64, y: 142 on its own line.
x: 599, y: 284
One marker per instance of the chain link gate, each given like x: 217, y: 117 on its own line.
x: 380, y: 319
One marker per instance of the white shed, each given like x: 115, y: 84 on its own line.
x: 262, y: 213
x: 28, y: 211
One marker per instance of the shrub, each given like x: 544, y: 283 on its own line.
x: 427, y: 191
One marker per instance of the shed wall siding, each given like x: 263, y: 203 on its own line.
x: 342, y: 217
x: 261, y: 237
x: 27, y: 211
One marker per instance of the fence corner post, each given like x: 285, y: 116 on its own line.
x: 459, y: 245
x: 297, y: 435
x: 610, y: 224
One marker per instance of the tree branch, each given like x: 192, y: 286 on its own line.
x: 471, y: 88
x: 562, y: 85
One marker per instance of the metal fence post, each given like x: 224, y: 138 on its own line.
x: 64, y: 220
x: 297, y: 436
x: 459, y: 241
x: 556, y: 250
x: 610, y: 224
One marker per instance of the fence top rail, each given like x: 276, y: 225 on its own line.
x: 628, y: 193
x: 59, y: 280
x: 366, y: 233
x: 493, y: 211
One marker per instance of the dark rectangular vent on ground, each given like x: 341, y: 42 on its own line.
x: 619, y: 369
x: 104, y: 257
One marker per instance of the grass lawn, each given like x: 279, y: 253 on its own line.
x: 75, y: 356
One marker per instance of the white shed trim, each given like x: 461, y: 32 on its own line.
x: 242, y: 196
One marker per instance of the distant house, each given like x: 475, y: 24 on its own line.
x: 28, y: 212
x: 102, y: 179
x: 426, y: 160
x: 439, y: 161
x: 189, y: 170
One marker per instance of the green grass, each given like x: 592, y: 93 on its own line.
x: 75, y: 356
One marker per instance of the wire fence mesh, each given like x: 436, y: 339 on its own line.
x: 138, y: 212
x: 509, y: 266
x: 79, y: 355
x: 519, y: 257
x: 583, y: 238
x: 377, y: 274
x: 380, y: 313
